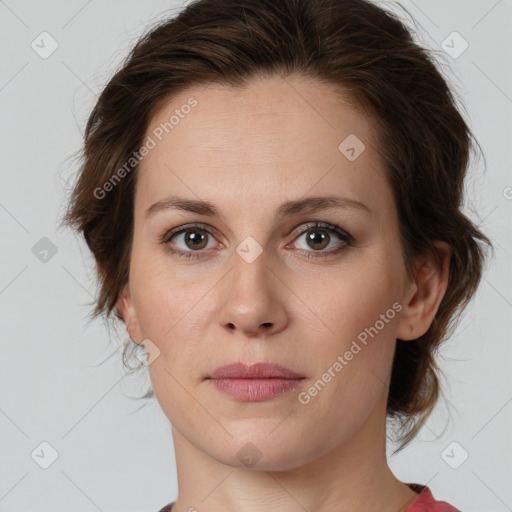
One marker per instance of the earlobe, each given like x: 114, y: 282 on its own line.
x: 426, y: 293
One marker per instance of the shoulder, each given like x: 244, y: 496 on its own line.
x: 425, y: 502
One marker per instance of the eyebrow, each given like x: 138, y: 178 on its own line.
x: 307, y: 205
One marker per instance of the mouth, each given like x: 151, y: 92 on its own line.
x: 257, y: 382
x: 253, y: 371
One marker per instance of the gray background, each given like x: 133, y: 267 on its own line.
x: 53, y: 387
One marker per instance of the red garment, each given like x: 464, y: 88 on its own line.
x: 425, y: 502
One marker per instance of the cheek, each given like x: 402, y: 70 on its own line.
x: 358, y: 321
x: 171, y: 313
x: 353, y: 369
x: 159, y: 299
x: 354, y: 301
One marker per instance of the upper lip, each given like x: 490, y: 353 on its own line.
x: 253, y: 371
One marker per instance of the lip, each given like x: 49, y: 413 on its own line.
x: 253, y: 371
x: 255, y: 382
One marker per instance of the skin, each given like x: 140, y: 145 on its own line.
x: 247, y: 151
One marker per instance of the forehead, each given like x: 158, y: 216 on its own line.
x: 279, y: 136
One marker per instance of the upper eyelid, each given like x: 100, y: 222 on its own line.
x: 178, y: 230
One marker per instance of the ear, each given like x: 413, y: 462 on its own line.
x: 126, y: 312
x: 425, y: 293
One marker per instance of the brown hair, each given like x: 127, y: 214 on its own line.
x: 424, y: 141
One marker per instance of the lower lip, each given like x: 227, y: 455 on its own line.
x: 254, y: 390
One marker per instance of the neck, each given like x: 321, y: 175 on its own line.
x: 353, y: 475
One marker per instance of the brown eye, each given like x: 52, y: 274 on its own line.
x: 192, y: 241
x: 317, y: 239
x: 320, y: 236
x: 188, y: 241
x: 194, y: 238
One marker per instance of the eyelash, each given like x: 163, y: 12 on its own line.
x: 345, y: 237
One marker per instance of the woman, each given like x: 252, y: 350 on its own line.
x: 271, y: 192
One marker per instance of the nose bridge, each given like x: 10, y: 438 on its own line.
x: 250, y: 273
x: 250, y: 296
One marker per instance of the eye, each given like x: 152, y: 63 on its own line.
x: 190, y: 239
x: 193, y: 238
x: 319, y: 235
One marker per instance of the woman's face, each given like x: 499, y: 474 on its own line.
x: 257, y: 281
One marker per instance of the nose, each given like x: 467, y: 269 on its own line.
x: 253, y: 298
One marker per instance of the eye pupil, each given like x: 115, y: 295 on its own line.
x: 317, y: 240
x: 191, y: 235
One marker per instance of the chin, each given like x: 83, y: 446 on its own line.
x: 260, y: 452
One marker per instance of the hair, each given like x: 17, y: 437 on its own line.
x: 422, y: 139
